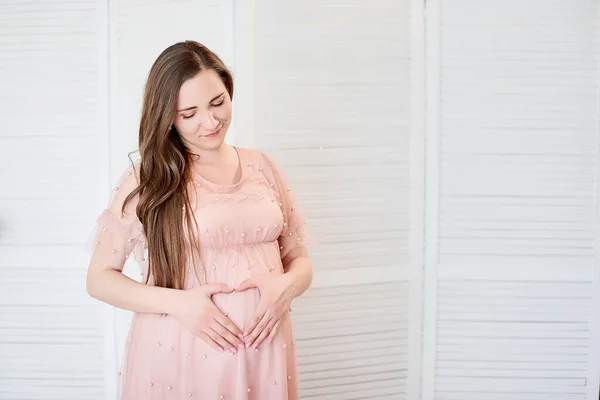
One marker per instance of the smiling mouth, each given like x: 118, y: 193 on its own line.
x: 215, y: 133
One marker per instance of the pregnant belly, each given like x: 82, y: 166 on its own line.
x: 239, y: 306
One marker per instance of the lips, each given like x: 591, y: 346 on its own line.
x: 215, y: 133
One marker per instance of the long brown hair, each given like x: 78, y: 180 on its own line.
x: 165, y: 168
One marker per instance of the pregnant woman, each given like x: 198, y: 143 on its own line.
x: 220, y: 241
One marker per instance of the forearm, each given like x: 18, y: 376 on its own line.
x: 299, y: 270
x: 112, y: 287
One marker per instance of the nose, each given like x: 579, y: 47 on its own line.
x: 208, y: 121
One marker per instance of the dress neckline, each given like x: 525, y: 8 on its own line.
x: 226, y: 186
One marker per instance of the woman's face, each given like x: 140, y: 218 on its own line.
x: 203, y: 111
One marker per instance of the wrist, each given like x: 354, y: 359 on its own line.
x: 175, y: 301
x: 290, y: 278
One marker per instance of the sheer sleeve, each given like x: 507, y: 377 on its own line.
x: 295, y: 233
x: 118, y: 234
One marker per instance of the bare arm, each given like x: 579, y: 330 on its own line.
x: 298, y: 268
x: 111, y: 286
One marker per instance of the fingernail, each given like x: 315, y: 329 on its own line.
x: 240, y: 336
x: 233, y: 350
x: 241, y: 346
x: 221, y: 349
x: 270, y: 341
x: 255, y: 345
x: 246, y: 333
x: 248, y: 345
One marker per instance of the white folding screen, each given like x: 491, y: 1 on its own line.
x: 334, y: 90
x: 52, y: 117
x: 511, y: 285
x: 331, y: 96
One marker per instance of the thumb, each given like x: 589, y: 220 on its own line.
x: 247, y: 284
x: 214, y: 288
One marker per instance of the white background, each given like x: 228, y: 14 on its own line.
x: 446, y: 156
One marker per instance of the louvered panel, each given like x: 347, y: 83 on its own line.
x: 352, y: 341
x: 518, y: 162
x: 512, y: 340
x: 51, y: 136
x: 57, y: 160
x: 337, y: 120
x: 313, y: 117
x: 50, y: 273
x: 52, y: 340
x: 519, y: 130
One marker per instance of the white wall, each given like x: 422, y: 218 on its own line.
x: 495, y: 196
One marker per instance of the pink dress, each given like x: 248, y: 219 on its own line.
x: 245, y: 229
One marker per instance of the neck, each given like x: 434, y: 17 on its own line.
x: 215, y: 156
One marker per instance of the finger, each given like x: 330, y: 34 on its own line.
x: 209, y: 341
x: 258, y: 330
x: 214, y: 288
x: 274, y: 332
x: 265, y: 332
x: 218, y: 338
x: 247, y: 284
x: 224, y: 320
x: 231, y: 339
x: 258, y: 315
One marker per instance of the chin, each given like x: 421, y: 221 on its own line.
x: 212, y: 143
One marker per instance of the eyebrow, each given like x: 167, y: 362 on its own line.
x: 191, y: 108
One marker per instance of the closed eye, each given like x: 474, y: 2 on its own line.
x: 188, y: 116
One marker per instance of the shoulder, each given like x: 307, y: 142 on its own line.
x: 128, y: 181
x: 262, y: 159
x: 130, y: 177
